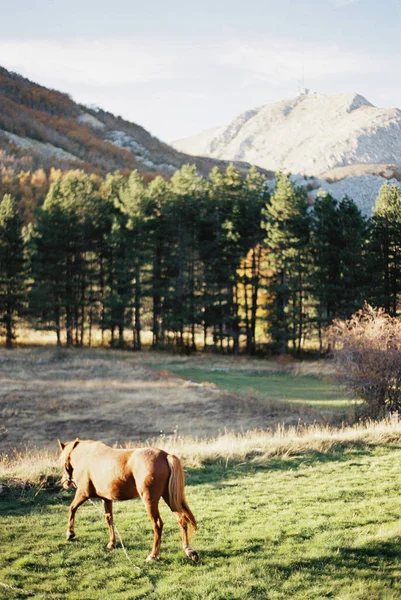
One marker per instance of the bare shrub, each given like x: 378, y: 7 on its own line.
x: 368, y: 359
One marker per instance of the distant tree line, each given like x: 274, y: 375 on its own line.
x: 222, y: 263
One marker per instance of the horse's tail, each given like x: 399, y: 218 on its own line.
x: 177, y: 501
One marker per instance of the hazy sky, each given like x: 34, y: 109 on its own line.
x: 177, y: 67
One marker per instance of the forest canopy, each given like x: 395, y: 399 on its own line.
x: 225, y: 263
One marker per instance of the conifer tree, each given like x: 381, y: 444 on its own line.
x: 255, y: 198
x: 187, y: 196
x: 221, y: 253
x: 63, y: 261
x: 158, y: 195
x: 386, y: 248
x: 354, y: 232
x: 132, y: 203
x: 12, y: 266
x: 325, y: 245
x: 286, y: 222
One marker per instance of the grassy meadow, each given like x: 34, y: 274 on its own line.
x: 301, y: 510
x: 315, y: 524
x: 307, y: 390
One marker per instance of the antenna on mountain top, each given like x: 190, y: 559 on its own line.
x: 302, y: 90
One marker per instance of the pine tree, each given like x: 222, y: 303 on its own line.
x: 286, y: 222
x: 132, y: 205
x: 354, y: 232
x: 64, y: 267
x: 325, y: 243
x: 338, y: 252
x: 221, y: 254
x: 12, y: 266
x: 158, y: 228
x: 251, y: 233
x: 188, y: 191
x: 386, y: 248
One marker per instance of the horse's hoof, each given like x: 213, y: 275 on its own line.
x: 192, y: 554
x: 111, y: 546
x: 70, y: 535
x: 152, y: 558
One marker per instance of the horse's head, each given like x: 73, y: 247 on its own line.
x: 65, y: 459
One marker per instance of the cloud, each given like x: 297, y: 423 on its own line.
x: 341, y: 3
x: 205, y: 63
x: 278, y: 61
x: 94, y: 62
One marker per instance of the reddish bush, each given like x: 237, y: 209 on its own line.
x: 368, y: 359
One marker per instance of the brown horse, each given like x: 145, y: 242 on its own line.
x: 98, y: 471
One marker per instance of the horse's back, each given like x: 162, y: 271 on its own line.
x: 118, y: 474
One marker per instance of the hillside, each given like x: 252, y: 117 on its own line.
x: 40, y: 127
x: 310, y: 134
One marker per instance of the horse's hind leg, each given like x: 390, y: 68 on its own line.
x: 79, y: 499
x: 152, y: 507
x: 108, y: 514
x: 183, y: 523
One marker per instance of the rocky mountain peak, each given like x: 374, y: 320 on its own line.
x: 310, y: 134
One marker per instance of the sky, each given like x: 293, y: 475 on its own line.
x: 178, y: 67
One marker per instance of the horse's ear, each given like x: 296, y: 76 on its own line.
x: 75, y: 444
x: 62, y: 446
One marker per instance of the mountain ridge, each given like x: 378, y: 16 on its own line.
x: 43, y: 128
x: 309, y: 134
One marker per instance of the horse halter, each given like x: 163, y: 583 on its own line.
x: 67, y: 476
x: 69, y: 470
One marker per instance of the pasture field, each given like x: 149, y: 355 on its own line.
x: 115, y: 396
x: 307, y: 390
x: 308, y: 526
x: 287, y: 506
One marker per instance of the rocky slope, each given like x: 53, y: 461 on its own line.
x: 363, y: 189
x: 40, y: 127
x: 310, y: 134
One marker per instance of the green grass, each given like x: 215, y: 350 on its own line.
x: 306, y: 527
x: 300, y: 389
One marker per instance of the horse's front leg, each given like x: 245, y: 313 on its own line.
x: 108, y: 514
x: 79, y: 498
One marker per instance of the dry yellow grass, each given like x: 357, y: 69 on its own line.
x: 261, y: 445
x: 36, y: 466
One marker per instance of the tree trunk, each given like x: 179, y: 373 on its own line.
x: 9, y: 327
x: 137, y: 309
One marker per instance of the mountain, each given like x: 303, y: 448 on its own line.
x: 312, y: 134
x: 40, y: 127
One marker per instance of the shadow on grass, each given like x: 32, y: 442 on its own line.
x: 376, y: 563
x: 373, y: 569
x: 17, y: 503
x: 221, y: 471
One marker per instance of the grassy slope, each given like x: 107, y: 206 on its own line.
x: 305, y: 527
x: 300, y: 389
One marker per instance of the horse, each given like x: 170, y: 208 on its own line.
x: 96, y: 470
